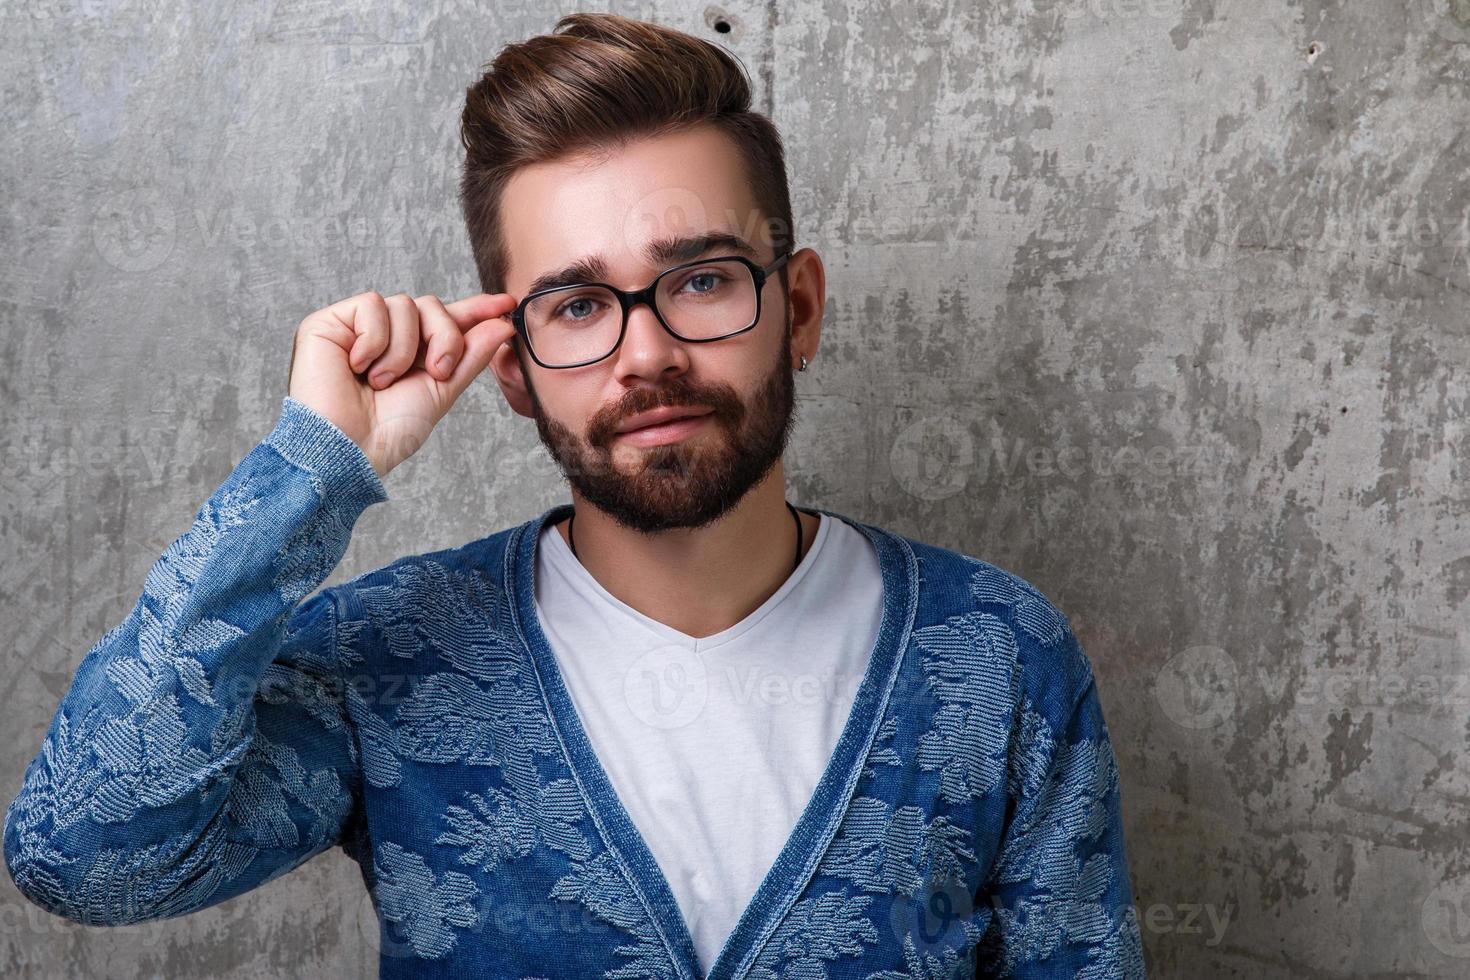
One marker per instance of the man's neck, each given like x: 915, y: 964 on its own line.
x: 699, y: 581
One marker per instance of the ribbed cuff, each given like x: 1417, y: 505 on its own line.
x: 311, y: 441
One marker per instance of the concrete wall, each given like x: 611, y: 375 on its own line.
x: 1159, y: 303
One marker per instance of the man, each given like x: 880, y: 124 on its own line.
x: 676, y: 728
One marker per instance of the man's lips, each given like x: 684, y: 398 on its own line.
x: 659, y: 416
x: 658, y: 434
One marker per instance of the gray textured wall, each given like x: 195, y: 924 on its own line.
x: 1159, y: 303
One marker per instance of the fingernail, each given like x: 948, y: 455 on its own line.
x: 384, y: 378
x: 446, y: 362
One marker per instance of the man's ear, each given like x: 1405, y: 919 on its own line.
x: 808, y: 297
x: 512, y: 378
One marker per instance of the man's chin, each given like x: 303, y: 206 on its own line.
x: 663, y: 465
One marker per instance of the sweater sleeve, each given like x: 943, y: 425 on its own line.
x: 202, y: 747
x: 1060, y: 885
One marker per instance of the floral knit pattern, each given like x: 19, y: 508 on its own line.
x: 241, y: 720
x: 1072, y: 916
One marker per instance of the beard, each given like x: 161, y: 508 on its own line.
x: 694, y: 481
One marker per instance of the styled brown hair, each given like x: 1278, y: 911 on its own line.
x: 601, y: 80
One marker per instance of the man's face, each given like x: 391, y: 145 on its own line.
x: 611, y: 206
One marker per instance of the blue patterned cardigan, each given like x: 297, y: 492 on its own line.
x: 241, y: 720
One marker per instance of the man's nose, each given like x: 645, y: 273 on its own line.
x: 648, y: 350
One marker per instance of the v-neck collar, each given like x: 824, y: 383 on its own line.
x: 561, y: 554
x: 795, y: 864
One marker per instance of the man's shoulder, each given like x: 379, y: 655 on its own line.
x: 1002, y: 614
x: 482, y: 560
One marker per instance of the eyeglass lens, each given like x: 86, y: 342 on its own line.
x: 702, y: 302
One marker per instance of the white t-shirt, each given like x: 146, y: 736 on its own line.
x: 714, y: 745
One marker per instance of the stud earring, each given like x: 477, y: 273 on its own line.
x: 803, y: 363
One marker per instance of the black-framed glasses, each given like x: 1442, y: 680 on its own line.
x: 698, y: 302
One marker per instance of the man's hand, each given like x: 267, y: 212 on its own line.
x: 385, y: 370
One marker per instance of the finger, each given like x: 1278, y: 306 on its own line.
x: 367, y: 317
x: 403, y: 344
x: 443, y: 337
x: 483, y: 306
x: 480, y: 343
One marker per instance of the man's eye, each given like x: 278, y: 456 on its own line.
x: 576, y: 309
x: 699, y: 276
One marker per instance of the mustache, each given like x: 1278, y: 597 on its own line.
x: 721, y: 401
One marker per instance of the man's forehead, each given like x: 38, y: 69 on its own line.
x: 638, y: 205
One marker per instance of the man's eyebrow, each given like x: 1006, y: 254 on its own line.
x: 660, y: 252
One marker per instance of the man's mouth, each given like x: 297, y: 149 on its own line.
x: 663, y: 432
x: 661, y: 416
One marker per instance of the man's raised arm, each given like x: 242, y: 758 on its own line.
x: 203, y: 746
